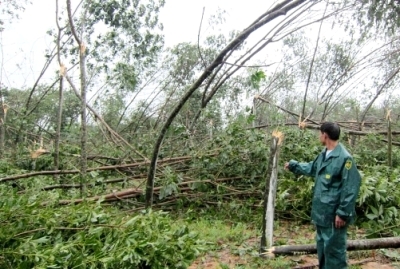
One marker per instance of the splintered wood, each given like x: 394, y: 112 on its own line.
x: 270, y: 192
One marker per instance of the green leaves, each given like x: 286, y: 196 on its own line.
x: 256, y: 78
x: 242, y: 153
x: 378, y: 201
x: 384, y: 15
x: 10, y: 10
x: 89, y: 236
x: 129, y: 22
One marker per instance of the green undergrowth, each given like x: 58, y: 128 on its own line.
x: 222, y: 212
x: 36, y: 234
x: 90, y: 236
x: 228, y: 173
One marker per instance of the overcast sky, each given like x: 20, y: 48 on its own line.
x: 24, y: 42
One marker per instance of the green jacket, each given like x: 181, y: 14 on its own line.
x: 337, y: 183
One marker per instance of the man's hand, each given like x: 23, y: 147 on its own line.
x: 339, y: 223
x: 287, y: 166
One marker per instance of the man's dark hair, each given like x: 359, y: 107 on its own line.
x: 331, y: 129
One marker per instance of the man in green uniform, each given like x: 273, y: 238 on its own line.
x: 337, y: 183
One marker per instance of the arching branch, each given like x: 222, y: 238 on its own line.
x: 286, y: 7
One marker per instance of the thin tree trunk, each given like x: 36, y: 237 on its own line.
x: 83, y: 119
x: 59, y: 120
x: 255, y: 111
x: 82, y: 67
x: 60, y: 98
x: 285, y: 110
x: 270, y: 193
x: 389, y: 136
x: 362, y: 244
x: 303, y: 110
x: 2, y: 112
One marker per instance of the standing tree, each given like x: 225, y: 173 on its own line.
x: 61, y: 93
x: 82, y: 68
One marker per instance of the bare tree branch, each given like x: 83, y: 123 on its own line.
x: 303, y: 110
x: 198, y: 40
x: 378, y: 93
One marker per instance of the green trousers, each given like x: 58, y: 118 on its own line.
x: 331, y: 247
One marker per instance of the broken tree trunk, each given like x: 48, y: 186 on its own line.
x: 270, y: 192
x: 389, y: 136
x: 362, y: 244
x: 255, y: 111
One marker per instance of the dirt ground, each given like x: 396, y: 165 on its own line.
x: 304, y: 262
x: 367, y: 263
x: 368, y: 260
x: 289, y: 234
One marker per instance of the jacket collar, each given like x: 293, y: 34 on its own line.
x: 335, y: 152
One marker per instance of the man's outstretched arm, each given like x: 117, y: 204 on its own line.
x: 307, y: 169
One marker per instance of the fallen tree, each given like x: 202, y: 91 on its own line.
x: 135, y: 192
x: 168, y: 161
x: 362, y: 244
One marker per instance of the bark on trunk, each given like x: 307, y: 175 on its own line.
x: 60, y: 98
x: 363, y: 244
x: 83, y: 120
x: 389, y: 136
x: 82, y: 77
x: 59, y: 121
x: 270, y: 193
x: 3, y: 111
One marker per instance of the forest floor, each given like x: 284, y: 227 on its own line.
x: 236, y: 246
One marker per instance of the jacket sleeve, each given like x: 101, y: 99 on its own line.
x: 351, y: 181
x: 307, y: 169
